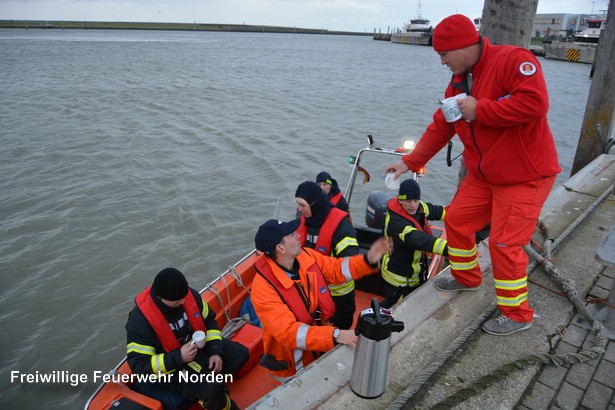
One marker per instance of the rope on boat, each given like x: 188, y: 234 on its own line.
x: 233, y: 327
x: 219, y: 297
x: 531, y: 360
x: 238, y: 278
x: 234, y: 273
x: 237, y: 323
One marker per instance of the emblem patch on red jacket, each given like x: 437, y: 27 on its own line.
x: 527, y: 68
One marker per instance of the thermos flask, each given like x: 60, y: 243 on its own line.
x: 371, y: 357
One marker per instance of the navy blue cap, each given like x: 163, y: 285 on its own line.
x: 271, y: 233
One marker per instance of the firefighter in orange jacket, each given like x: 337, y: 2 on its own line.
x: 291, y: 297
x: 511, y: 159
x: 159, y: 332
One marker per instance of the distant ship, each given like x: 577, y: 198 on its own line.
x: 417, y: 31
x: 591, y: 34
x: 580, y: 46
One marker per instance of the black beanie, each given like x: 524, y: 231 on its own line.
x: 324, y: 177
x: 409, y: 189
x: 310, y: 191
x: 170, y: 284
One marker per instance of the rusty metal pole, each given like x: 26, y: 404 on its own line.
x: 597, y: 122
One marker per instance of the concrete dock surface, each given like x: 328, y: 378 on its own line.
x: 443, y: 359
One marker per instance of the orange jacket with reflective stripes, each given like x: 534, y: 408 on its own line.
x: 289, y: 343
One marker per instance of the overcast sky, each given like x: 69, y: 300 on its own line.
x: 345, y: 15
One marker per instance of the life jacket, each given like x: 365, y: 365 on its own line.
x: 325, y: 234
x: 291, y: 296
x: 159, y: 323
x: 395, y: 206
x: 335, y: 199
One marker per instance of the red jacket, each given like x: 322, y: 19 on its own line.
x: 510, y: 141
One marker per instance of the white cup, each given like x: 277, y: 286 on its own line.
x: 451, y: 109
x: 390, y: 182
x: 198, y: 339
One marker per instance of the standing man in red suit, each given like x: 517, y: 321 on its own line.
x: 511, y: 159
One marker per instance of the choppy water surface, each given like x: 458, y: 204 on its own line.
x: 126, y: 152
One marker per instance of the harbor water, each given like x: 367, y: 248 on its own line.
x: 125, y: 152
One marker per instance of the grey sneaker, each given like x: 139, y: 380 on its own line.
x: 502, y: 326
x: 449, y: 284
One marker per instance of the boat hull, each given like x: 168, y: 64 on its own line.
x: 408, y: 38
x: 226, y: 295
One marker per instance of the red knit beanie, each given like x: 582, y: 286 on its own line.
x: 454, y: 32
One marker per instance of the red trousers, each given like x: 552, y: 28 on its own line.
x: 513, y: 211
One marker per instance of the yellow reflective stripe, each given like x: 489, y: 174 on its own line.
x: 439, y: 245
x: 213, y: 334
x: 343, y: 289
x: 141, y: 349
x: 425, y: 208
x: 345, y: 243
x: 195, y: 366
x: 228, y: 402
x: 406, y: 231
x: 205, y: 311
x: 157, y: 363
x: 516, y: 301
x: 398, y: 280
x: 385, y: 263
x: 511, y: 284
x: 463, y: 266
x: 462, y: 253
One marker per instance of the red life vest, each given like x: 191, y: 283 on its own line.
x: 156, y: 319
x: 291, y: 295
x: 395, y: 206
x: 325, y: 235
x: 335, y: 199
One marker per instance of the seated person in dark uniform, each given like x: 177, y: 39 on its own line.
x: 406, y: 222
x: 331, y: 190
x: 159, y: 333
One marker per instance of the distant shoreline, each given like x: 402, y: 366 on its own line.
x: 110, y: 25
